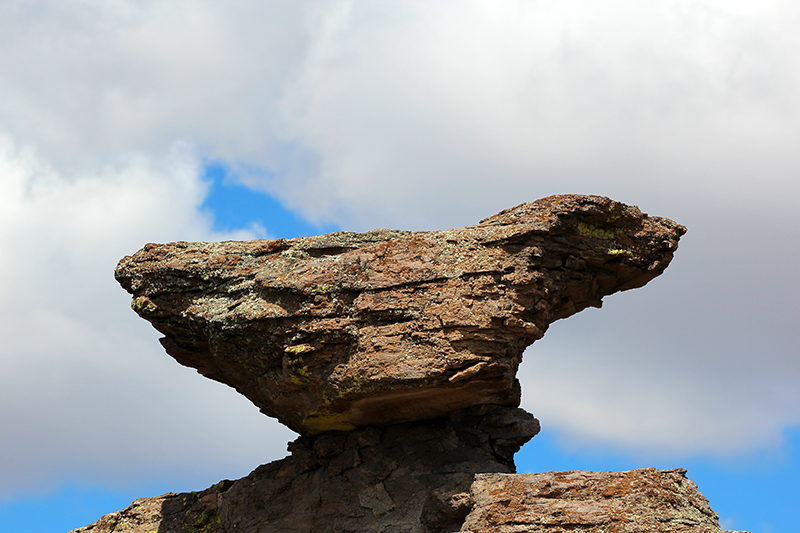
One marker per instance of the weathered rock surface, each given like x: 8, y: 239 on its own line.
x: 413, y: 477
x: 313, y: 492
x: 349, y: 330
x: 636, y: 501
x: 394, y: 355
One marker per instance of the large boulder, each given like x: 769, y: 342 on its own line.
x: 369, y: 329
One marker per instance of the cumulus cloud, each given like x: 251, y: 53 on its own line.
x: 412, y: 115
x: 438, y: 116
x: 86, y: 390
x: 89, y: 81
x: 643, y: 101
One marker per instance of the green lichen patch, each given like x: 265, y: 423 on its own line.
x: 208, y: 518
x: 588, y: 230
x: 143, y: 305
x: 299, y: 349
x: 322, y: 421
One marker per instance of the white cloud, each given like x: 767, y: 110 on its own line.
x: 91, y: 79
x: 702, y: 360
x: 86, y: 390
x: 538, y: 98
x: 435, y: 116
x: 414, y: 114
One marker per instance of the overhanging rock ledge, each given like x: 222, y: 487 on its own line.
x: 349, y: 330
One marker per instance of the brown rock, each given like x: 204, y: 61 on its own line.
x: 637, y: 501
x: 376, y: 481
x: 345, y: 330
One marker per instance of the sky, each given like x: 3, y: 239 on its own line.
x: 124, y: 122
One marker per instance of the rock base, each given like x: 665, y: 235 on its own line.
x: 445, y: 475
x: 636, y: 501
x: 413, y: 477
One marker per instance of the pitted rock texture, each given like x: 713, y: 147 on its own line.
x: 412, y: 478
x: 636, y: 501
x: 347, y: 330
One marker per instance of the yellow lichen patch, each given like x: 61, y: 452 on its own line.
x: 297, y: 372
x: 142, y: 304
x: 587, y: 230
x: 299, y: 349
x: 322, y: 289
x: 614, y: 251
x: 319, y: 422
x: 297, y: 380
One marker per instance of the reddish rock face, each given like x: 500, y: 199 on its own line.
x: 637, y: 501
x: 345, y: 330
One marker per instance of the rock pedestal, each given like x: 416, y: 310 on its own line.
x: 413, y: 477
x: 282, y: 497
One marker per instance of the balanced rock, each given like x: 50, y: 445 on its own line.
x: 347, y: 330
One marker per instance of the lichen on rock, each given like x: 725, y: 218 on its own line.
x: 356, y: 329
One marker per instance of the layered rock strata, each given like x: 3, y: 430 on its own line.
x: 362, y: 329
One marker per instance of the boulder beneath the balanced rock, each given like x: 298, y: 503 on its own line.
x: 413, y: 477
x: 368, y: 329
x: 637, y: 501
x: 383, y: 495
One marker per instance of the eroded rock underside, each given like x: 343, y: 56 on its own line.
x: 347, y: 330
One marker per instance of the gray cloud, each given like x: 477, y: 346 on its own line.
x: 413, y: 115
x: 85, y: 389
x: 662, y: 100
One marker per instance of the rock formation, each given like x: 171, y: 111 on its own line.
x: 394, y: 355
x: 362, y: 329
x: 413, y: 477
x: 645, y: 500
x: 636, y: 501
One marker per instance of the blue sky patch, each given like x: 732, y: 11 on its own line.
x: 236, y: 206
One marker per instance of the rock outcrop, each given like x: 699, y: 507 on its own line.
x: 349, y: 330
x: 413, y: 477
x: 636, y: 501
x: 394, y: 355
x: 272, y: 499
